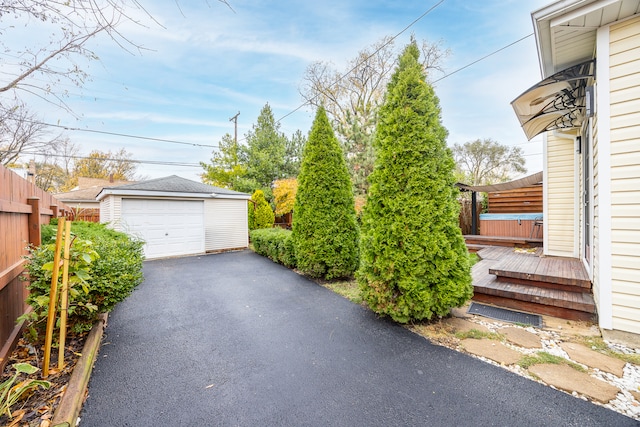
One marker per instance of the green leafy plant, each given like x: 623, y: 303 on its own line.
x: 41, y: 268
x: 325, y: 232
x: 10, y: 392
x: 105, y: 267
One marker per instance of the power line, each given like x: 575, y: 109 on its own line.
x: 483, y: 58
x: 125, y: 135
x: 342, y: 77
x: 148, y: 162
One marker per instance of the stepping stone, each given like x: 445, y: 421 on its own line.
x: 594, y: 359
x: 491, y: 349
x: 461, y: 325
x: 521, y: 337
x: 636, y: 395
x: 568, y: 379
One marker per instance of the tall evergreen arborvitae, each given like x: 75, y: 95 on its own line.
x: 325, y: 233
x: 414, y: 260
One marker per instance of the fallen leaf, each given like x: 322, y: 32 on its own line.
x: 17, y: 416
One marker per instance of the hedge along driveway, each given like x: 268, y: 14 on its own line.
x: 234, y: 339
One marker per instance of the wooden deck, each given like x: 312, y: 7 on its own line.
x: 530, y: 282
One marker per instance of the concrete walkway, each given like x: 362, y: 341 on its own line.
x: 235, y: 340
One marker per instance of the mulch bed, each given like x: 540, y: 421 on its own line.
x: 37, y: 409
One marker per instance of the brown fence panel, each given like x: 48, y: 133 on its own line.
x: 23, y: 208
x: 84, y: 214
x: 519, y: 200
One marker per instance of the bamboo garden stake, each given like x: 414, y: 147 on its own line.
x: 64, y: 292
x: 53, y: 299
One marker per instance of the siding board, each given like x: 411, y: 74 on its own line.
x: 624, y: 71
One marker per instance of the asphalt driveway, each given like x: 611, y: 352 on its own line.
x: 236, y: 340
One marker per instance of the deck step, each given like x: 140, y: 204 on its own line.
x: 474, y: 248
x: 568, y: 274
x: 558, y: 303
x: 524, y: 242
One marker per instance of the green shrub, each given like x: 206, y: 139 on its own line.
x: 414, y: 261
x: 325, y: 233
x: 274, y: 243
x: 108, y: 266
x: 261, y: 215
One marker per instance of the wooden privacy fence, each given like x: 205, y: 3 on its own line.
x: 23, y: 209
x: 519, y: 200
x: 84, y: 214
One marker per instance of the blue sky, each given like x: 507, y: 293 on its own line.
x: 209, y: 62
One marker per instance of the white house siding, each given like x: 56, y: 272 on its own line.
x: 105, y: 210
x: 226, y: 224
x: 110, y: 210
x: 625, y: 174
x: 560, y: 194
x: 595, y: 248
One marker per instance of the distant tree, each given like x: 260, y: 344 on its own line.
x: 352, y: 98
x: 260, y: 213
x: 264, y: 154
x: 357, y: 140
x: 414, y: 263
x: 22, y: 133
x: 284, y: 195
x: 324, y: 230
x: 50, y: 177
x: 485, y: 161
x: 225, y: 169
x: 99, y: 164
x: 293, y: 154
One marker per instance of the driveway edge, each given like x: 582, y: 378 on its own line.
x: 66, y: 414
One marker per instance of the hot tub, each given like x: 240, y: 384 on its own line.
x: 510, y: 225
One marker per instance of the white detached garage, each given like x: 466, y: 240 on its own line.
x: 176, y: 216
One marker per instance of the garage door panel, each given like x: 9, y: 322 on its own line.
x: 169, y: 227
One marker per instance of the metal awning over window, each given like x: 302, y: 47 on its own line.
x: 557, y: 102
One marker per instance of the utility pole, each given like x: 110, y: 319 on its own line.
x: 234, y: 119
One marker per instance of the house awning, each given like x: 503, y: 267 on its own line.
x: 557, y: 102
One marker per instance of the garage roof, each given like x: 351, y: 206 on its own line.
x: 172, y: 186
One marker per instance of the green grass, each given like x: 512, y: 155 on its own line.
x: 348, y: 289
x: 543, y: 357
x: 476, y: 334
x: 597, y: 343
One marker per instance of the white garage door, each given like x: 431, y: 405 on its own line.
x: 169, y: 227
